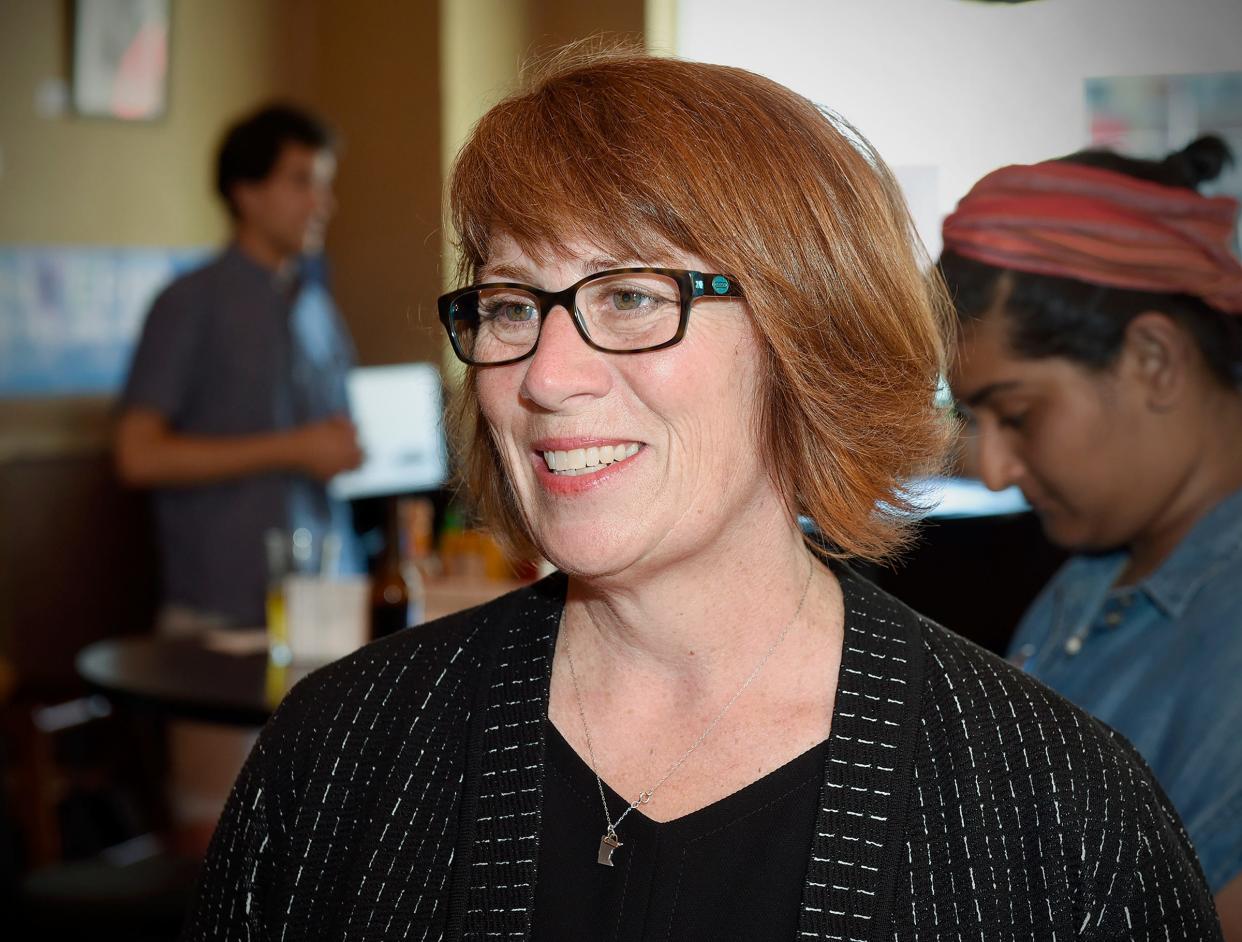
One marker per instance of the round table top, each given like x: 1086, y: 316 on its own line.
x: 224, y: 675
x: 185, y: 678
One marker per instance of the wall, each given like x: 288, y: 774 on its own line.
x: 371, y: 68
x: 485, y: 43
x: 71, y: 180
x: 556, y: 22
x: 377, y: 76
x: 962, y: 86
x: 375, y: 69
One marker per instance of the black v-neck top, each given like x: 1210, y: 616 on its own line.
x: 678, y: 879
x: 411, y: 791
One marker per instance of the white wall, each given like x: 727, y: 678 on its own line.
x: 960, y: 86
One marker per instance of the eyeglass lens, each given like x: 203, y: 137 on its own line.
x: 621, y: 312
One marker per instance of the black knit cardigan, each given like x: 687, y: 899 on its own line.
x: 397, y: 794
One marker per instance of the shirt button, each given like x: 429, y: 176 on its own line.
x: 1073, y: 645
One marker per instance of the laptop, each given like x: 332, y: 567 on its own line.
x: 399, y: 412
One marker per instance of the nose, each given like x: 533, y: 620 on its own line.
x: 563, y: 368
x: 999, y: 466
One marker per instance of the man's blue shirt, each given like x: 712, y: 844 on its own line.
x: 1161, y: 662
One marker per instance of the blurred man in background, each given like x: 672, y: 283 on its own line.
x: 235, y: 411
x: 235, y: 416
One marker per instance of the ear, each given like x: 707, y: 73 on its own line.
x: 1160, y: 355
x: 243, y: 194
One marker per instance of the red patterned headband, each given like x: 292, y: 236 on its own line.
x: 1101, y: 227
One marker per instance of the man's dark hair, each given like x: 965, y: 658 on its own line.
x: 251, y: 146
x: 1051, y: 316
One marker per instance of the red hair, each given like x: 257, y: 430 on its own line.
x: 638, y: 153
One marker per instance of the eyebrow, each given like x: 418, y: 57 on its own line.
x: 507, y: 271
x: 987, y: 392
x: 504, y: 272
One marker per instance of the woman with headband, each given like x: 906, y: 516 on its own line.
x: 691, y: 312
x: 1098, y: 363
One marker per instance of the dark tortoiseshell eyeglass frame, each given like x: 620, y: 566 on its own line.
x: 692, y: 285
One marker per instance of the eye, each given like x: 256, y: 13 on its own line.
x: 509, y: 310
x: 1014, y: 420
x: 518, y: 311
x: 630, y: 299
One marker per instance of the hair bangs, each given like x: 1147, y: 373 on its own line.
x: 595, y: 179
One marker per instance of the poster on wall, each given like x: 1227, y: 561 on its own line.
x: 69, y: 316
x: 120, y: 58
x: 1152, y: 115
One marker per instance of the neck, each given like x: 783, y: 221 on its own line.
x: 261, y: 250
x: 1213, y: 472
x: 692, y: 623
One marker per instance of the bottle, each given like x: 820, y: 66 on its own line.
x: 395, y: 603
x: 451, y: 540
x: 417, y: 515
x: 277, y: 547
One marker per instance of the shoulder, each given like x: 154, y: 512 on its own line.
x: 1023, y: 797
x: 1077, y: 575
x: 1009, y: 778
x: 1002, y: 761
x: 1212, y: 608
x: 1013, y: 727
x: 970, y: 699
x: 186, y: 294
x: 421, y: 682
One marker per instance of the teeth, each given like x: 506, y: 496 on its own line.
x: 588, y: 460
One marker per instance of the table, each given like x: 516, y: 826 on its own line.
x: 195, y: 679
x: 185, y: 678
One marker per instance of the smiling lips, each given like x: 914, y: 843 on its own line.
x: 576, y: 461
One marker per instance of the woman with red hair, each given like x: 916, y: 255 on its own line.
x: 691, y: 313
x: 1099, y: 362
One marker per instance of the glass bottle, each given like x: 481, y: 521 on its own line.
x: 396, y: 590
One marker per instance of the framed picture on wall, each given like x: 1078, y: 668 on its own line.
x: 120, y: 58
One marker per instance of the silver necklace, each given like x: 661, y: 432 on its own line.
x: 610, y: 842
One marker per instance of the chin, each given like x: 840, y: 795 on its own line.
x: 587, y: 558
x: 598, y: 545
x: 1074, y: 536
x: 1062, y: 536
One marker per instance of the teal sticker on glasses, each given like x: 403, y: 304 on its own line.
x: 720, y: 284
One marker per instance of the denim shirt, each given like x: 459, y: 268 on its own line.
x: 1160, y: 662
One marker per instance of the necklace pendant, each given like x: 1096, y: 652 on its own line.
x: 607, y: 844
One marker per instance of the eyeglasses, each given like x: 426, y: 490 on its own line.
x: 623, y: 310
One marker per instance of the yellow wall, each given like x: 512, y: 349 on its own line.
x: 556, y: 22
x: 88, y: 181
x: 371, y: 68
x: 485, y: 43
x: 482, y: 44
x: 404, y: 80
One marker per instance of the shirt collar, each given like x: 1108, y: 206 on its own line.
x: 1216, y: 537
x: 285, y: 282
